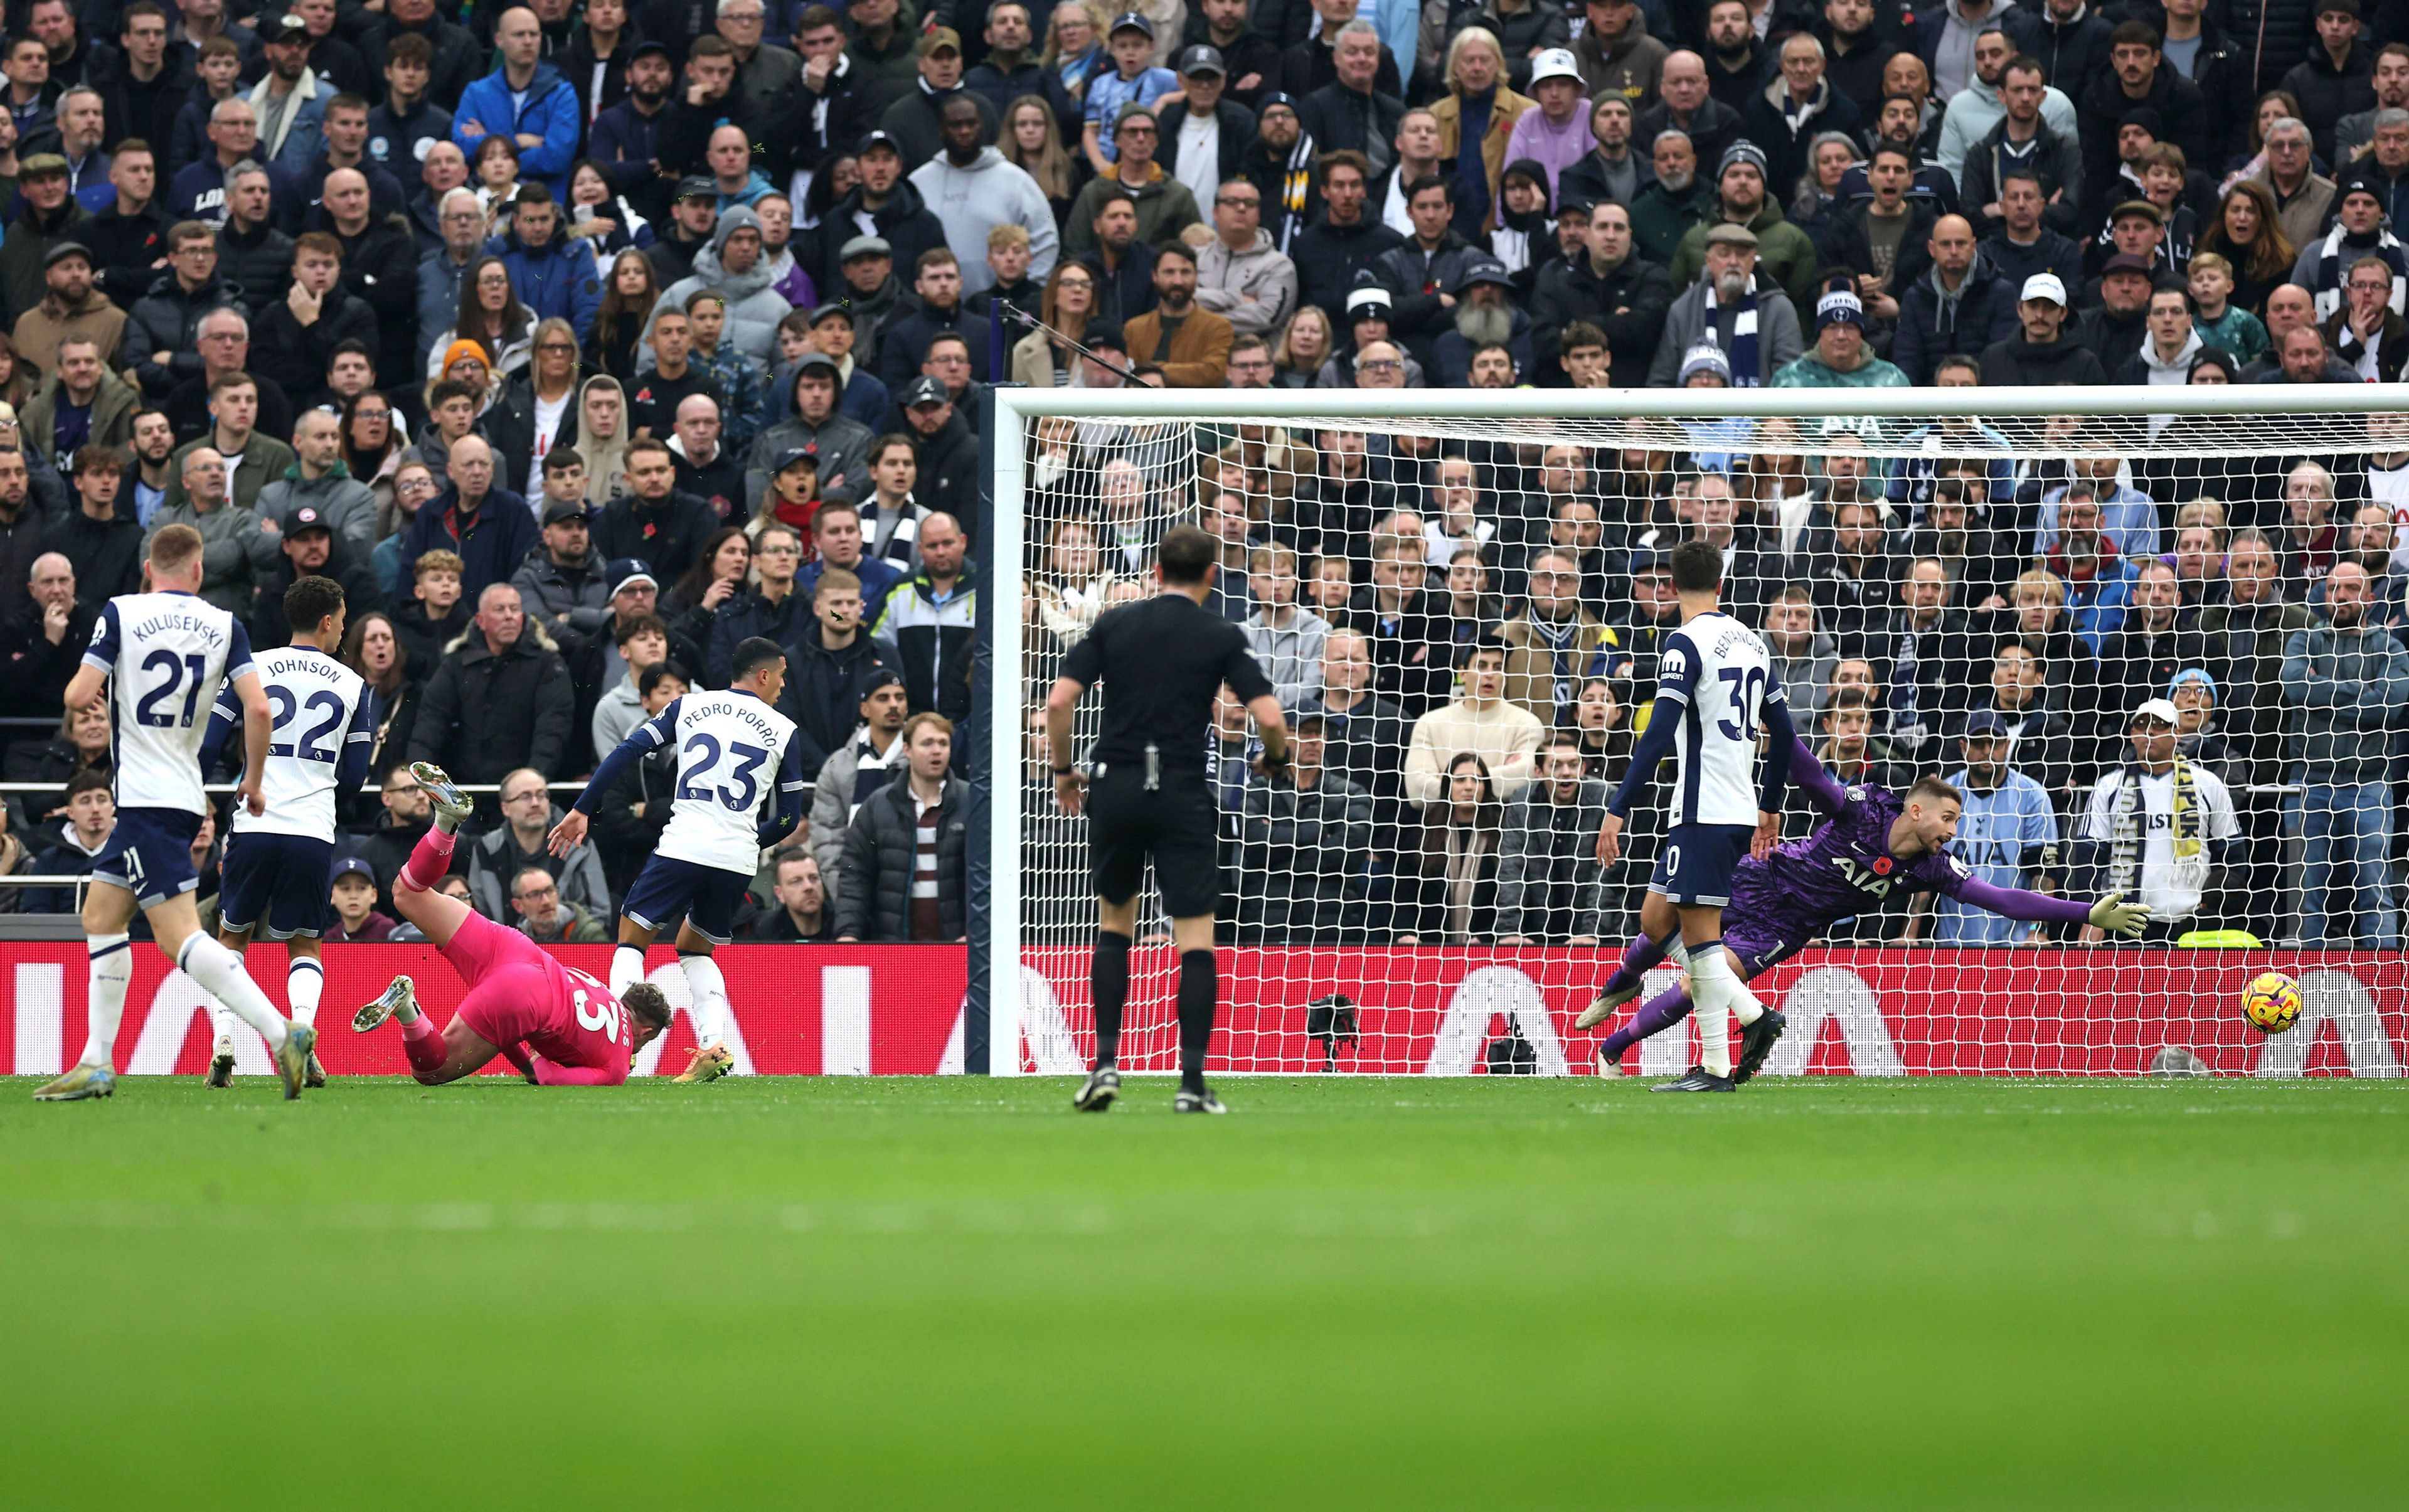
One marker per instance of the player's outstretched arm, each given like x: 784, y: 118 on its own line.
x: 641, y: 742
x: 1808, y: 776
x: 1778, y: 761
x: 2110, y: 914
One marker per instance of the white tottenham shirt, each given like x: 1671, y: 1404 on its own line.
x: 1720, y: 673
x: 166, y: 655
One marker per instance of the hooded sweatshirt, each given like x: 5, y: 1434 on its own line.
x: 973, y: 201
x: 1976, y: 109
x: 1224, y: 279
x: 755, y: 307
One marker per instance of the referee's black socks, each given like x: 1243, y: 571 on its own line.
x: 1109, y: 984
x: 1199, y: 989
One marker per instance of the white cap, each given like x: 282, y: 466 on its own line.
x: 2162, y: 710
x: 2044, y: 286
x: 1556, y: 62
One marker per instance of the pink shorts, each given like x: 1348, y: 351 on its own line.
x: 511, y: 984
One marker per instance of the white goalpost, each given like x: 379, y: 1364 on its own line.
x: 1981, y: 585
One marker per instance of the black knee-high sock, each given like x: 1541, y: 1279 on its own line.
x: 1199, y: 989
x: 1108, y: 983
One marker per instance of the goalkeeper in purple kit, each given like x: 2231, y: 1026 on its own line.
x: 1874, y: 844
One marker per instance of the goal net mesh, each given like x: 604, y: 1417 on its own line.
x: 1990, y: 600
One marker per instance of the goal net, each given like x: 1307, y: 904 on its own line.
x: 2143, y: 632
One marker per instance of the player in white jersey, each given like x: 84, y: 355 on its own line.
x: 159, y: 657
x: 280, y: 865
x: 1715, y: 689
x: 739, y: 788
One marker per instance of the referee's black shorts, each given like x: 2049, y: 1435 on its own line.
x: 1177, y: 824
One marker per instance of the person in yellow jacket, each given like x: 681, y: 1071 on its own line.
x: 1478, y: 106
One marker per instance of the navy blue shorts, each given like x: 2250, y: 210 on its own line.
x: 1694, y: 865
x: 706, y: 894
x: 279, y: 884
x: 150, y: 855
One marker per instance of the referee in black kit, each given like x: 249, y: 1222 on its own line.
x: 1162, y: 662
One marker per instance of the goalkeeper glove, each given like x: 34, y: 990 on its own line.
x: 2114, y: 915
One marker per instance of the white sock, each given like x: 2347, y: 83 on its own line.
x: 112, y: 972
x: 706, y: 999
x: 220, y: 973
x: 1679, y: 954
x: 305, y: 981
x: 627, y: 969
x: 1711, y: 1001
x: 222, y: 1021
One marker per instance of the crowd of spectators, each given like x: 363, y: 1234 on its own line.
x: 580, y: 340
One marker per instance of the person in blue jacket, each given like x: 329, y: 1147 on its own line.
x: 552, y: 272
x: 527, y: 98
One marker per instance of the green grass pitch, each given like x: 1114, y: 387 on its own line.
x: 1367, y: 1294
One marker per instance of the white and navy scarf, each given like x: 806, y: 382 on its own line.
x: 1745, y: 371
x: 2332, y: 267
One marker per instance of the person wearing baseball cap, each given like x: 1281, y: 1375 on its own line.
x: 916, y: 119
x: 1133, y: 79
x: 1743, y: 198
x: 2116, y: 326
x: 1250, y: 60
x: 897, y: 210
x: 1204, y: 130
x: 2042, y: 351
x: 1839, y: 358
x: 2163, y: 821
x: 306, y: 546
x: 354, y: 895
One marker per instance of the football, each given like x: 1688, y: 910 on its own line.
x: 2272, y: 1001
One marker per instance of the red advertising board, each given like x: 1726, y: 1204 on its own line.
x: 799, y: 1010
x: 1864, y: 1012
x: 889, y: 1010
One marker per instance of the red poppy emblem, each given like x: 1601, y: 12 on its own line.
x: 1882, y: 866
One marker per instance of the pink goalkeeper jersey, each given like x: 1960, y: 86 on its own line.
x: 520, y: 995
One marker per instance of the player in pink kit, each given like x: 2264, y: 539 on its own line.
x: 558, y: 1026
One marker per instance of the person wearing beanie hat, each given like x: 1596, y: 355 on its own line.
x: 1705, y: 365
x: 1743, y: 197
x: 1840, y: 358
x: 733, y: 266
x: 2139, y: 76
x: 2359, y: 231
